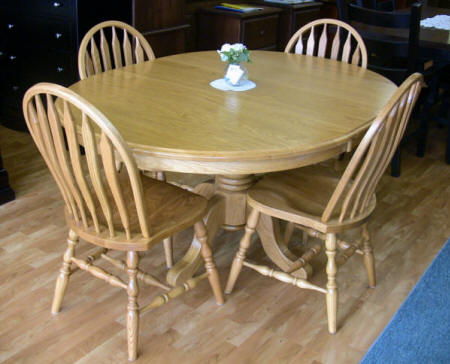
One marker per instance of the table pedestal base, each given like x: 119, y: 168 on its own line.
x: 228, y: 209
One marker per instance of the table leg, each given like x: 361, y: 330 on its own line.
x: 277, y: 250
x: 186, y: 267
x: 227, y: 209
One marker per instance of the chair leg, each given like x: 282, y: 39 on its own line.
x: 213, y: 276
x: 64, y: 273
x: 369, y: 261
x: 332, y: 290
x: 168, y: 252
x: 132, y: 308
x: 395, y: 163
x: 422, y: 135
x: 240, y: 255
x: 447, y: 149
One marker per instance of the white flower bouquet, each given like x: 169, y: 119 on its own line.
x: 234, y: 53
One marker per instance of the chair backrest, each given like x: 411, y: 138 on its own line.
x: 385, y: 5
x: 347, y: 45
x: 392, y: 56
x: 94, y: 54
x: 357, y: 184
x: 85, y: 193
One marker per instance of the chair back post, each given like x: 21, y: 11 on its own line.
x: 58, y: 137
x: 357, y: 185
x: 414, y: 32
x: 342, y: 7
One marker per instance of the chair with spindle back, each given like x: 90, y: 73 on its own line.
x: 323, y: 204
x: 352, y: 50
x: 119, y: 210
x: 129, y: 47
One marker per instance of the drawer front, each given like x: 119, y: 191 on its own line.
x: 23, y: 33
x: 260, y: 33
x: 57, y: 67
x: 59, y: 8
x: 304, y: 17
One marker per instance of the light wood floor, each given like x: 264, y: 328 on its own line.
x: 263, y: 321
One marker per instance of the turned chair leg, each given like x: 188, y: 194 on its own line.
x: 64, y: 273
x: 213, y: 275
x: 332, y: 290
x: 238, y: 261
x: 168, y: 252
x: 369, y: 261
x: 132, y: 308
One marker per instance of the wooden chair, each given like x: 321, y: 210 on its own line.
x: 125, y: 51
x: 92, y: 62
x: 352, y: 50
x: 323, y: 205
x: 118, y: 210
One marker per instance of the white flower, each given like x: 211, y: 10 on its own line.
x: 225, y: 47
x: 238, y: 47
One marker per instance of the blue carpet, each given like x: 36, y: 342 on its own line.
x: 420, y: 330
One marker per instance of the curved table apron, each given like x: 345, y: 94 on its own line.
x: 303, y: 110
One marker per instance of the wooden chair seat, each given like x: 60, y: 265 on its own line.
x: 171, y: 209
x: 301, y: 196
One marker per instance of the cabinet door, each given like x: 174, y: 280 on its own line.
x: 303, y: 17
x: 261, y: 32
x: 158, y: 14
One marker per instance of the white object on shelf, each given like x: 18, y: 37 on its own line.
x: 221, y: 84
x: 437, y: 21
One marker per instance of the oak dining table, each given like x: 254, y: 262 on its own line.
x: 304, y: 110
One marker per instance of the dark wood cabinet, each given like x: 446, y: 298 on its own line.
x: 257, y: 30
x: 163, y: 24
x: 39, y: 42
x: 6, y: 192
x: 293, y: 17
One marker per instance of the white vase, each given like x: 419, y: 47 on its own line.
x: 235, y: 74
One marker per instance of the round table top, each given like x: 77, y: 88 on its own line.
x: 302, y: 109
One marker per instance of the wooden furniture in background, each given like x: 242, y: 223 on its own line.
x: 293, y: 17
x: 353, y: 49
x: 329, y: 9
x: 324, y: 205
x: 6, y: 192
x: 395, y: 59
x: 234, y: 135
x: 163, y: 24
x: 385, y: 5
x: 39, y: 42
x: 94, y: 55
x: 257, y: 30
x: 117, y: 210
